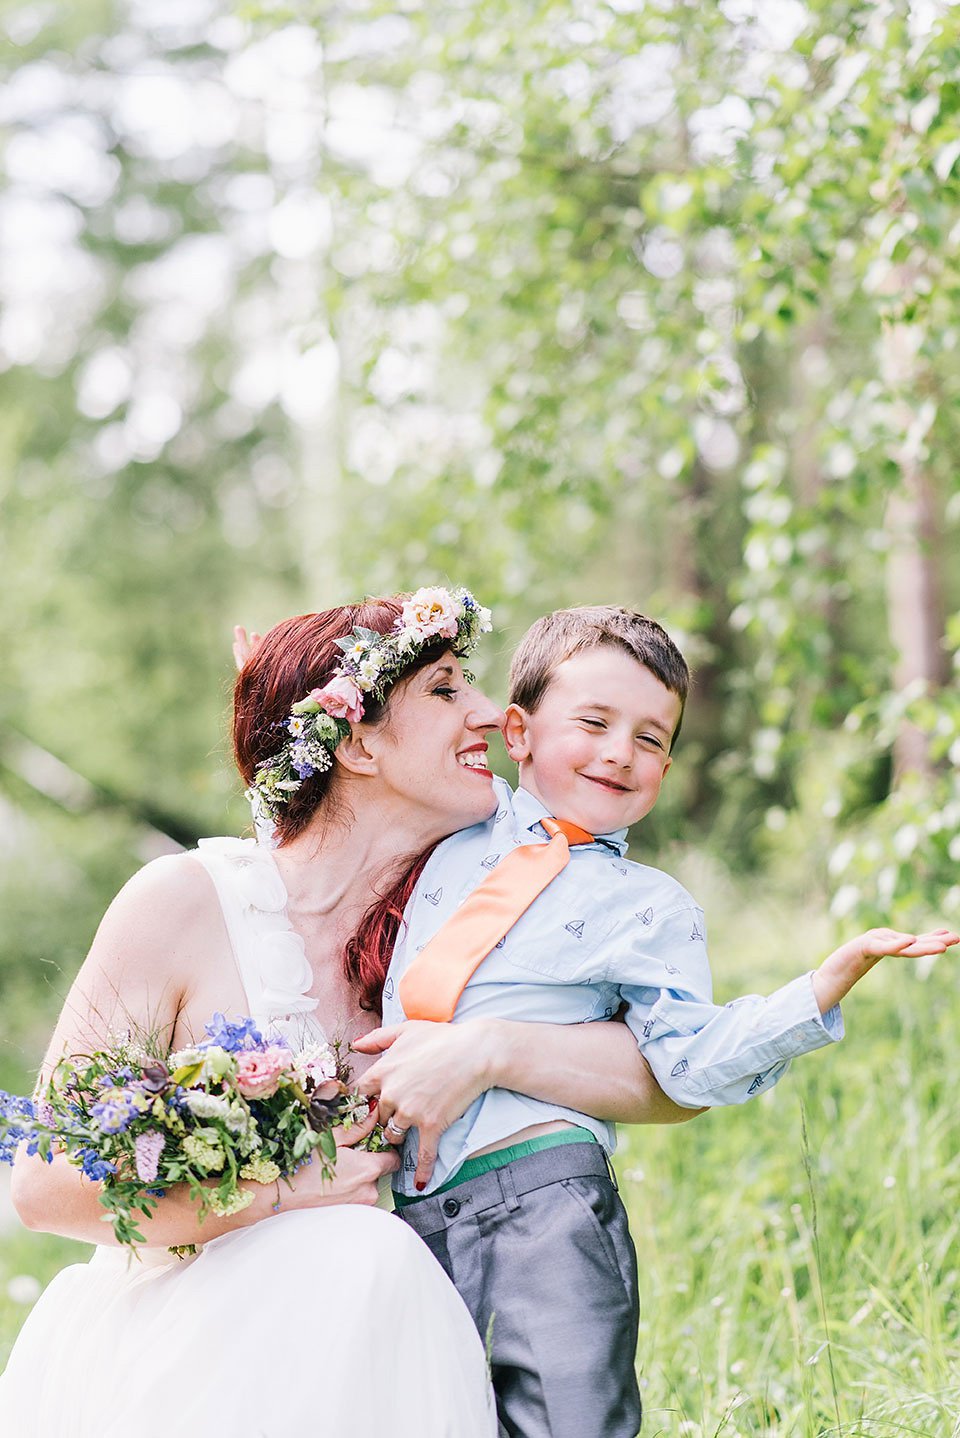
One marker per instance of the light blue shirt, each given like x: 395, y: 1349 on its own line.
x: 605, y: 932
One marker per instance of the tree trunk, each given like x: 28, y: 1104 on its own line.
x: 915, y: 609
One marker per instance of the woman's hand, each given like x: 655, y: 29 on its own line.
x: 426, y: 1077
x: 429, y: 1074
x: 357, y: 1174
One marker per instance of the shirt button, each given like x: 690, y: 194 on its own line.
x: 451, y: 1207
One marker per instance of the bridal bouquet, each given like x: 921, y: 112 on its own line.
x: 233, y: 1107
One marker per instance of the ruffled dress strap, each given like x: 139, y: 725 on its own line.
x: 270, y: 956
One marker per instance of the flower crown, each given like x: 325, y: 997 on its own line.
x: 371, y: 663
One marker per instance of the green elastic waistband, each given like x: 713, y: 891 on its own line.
x: 486, y: 1162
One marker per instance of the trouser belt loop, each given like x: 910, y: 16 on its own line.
x: 613, y: 1176
x: 508, y: 1188
x: 506, y: 1185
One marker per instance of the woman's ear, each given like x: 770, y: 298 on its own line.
x: 515, y: 737
x: 355, y: 753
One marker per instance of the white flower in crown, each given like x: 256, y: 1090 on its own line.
x: 406, y: 640
x: 431, y: 611
x: 369, y: 668
x: 297, y: 726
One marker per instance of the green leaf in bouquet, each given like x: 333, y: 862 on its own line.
x: 328, y: 1145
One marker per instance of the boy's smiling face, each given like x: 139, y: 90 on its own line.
x: 596, y: 749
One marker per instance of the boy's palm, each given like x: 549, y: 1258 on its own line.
x: 839, y: 972
x: 883, y: 943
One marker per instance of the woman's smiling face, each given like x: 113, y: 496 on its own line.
x: 434, y: 746
x: 596, y: 748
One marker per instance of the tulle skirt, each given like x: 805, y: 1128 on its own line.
x: 334, y: 1320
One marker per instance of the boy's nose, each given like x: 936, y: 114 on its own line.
x: 618, y: 749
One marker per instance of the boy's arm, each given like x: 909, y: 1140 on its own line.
x: 845, y: 967
x: 429, y: 1074
x: 702, y: 1053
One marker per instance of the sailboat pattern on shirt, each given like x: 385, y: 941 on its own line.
x: 607, y: 933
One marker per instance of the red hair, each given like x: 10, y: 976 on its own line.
x: 295, y: 656
x: 367, y: 954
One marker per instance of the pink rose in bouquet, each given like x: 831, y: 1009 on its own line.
x: 260, y: 1070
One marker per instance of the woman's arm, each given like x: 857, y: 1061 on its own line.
x: 429, y: 1074
x: 56, y: 1198
x: 156, y: 965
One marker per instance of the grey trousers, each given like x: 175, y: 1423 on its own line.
x: 541, y: 1248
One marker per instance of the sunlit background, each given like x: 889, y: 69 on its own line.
x: 596, y: 300
x: 644, y: 303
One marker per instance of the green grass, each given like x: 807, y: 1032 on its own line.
x: 799, y: 1256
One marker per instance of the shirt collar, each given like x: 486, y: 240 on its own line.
x: 530, y: 811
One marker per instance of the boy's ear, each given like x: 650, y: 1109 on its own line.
x: 515, y: 736
x: 355, y: 754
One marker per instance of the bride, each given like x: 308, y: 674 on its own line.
x: 327, y: 1315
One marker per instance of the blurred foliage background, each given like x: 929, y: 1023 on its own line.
x: 575, y: 301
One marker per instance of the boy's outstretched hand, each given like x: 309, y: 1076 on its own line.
x: 843, y: 968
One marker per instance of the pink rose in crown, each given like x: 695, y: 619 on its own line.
x: 260, y: 1070
x: 341, y: 699
x: 432, y: 611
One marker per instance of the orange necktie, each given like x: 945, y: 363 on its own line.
x: 440, y: 972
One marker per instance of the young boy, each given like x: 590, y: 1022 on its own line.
x: 522, y: 1210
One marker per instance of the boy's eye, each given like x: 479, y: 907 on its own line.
x: 651, y: 741
x: 594, y: 723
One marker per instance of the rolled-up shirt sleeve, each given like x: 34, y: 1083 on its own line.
x: 701, y: 1053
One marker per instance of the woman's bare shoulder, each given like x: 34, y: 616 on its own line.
x: 177, y: 880
x: 166, y: 913
x: 161, y: 929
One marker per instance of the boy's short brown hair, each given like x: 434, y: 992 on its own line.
x: 565, y: 632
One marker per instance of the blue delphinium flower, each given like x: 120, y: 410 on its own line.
x: 241, y: 1034
x: 177, y: 1100
x: 14, y: 1109
x: 93, y: 1166
x: 13, y: 1106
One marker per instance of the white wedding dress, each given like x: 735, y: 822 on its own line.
x: 330, y: 1321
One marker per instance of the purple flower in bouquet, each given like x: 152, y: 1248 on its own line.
x: 155, y: 1077
x: 241, y: 1034
x: 114, y: 1114
x: 147, y: 1148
